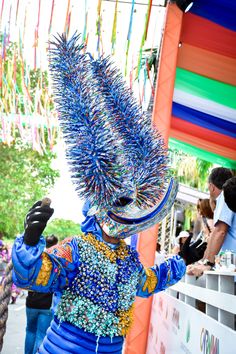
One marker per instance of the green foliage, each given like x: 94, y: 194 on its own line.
x: 203, y: 168
x: 189, y: 215
x: 191, y: 170
x: 62, y: 228
x: 25, y: 177
x: 150, y: 58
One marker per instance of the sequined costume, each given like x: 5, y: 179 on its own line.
x: 97, y: 283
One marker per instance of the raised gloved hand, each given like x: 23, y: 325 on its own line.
x: 192, y: 253
x: 36, y: 221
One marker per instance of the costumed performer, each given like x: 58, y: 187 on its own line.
x: 119, y: 165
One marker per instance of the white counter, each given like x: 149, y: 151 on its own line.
x: 195, y: 316
x: 216, y: 289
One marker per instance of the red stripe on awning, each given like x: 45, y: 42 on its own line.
x: 203, y: 133
x: 199, y: 32
x: 209, y: 64
x: 203, y: 144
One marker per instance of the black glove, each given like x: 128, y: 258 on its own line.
x: 35, y: 222
x: 193, y: 253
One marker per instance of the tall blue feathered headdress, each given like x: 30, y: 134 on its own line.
x: 112, y: 149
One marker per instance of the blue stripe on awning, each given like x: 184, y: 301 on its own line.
x: 222, y: 12
x: 204, y: 120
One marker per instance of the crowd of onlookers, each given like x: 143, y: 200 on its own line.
x: 218, y: 220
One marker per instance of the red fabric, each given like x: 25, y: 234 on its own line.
x: 203, y: 144
x: 203, y: 133
x: 209, y: 64
x: 199, y: 32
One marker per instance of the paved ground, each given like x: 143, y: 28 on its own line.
x: 15, y: 333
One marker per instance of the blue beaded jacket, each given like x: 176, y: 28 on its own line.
x: 96, y: 282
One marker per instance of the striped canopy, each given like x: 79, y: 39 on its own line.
x: 204, y: 102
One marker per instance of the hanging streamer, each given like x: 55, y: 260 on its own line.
x: 19, y: 125
x: 17, y: 96
x: 114, y: 27
x: 52, y: 128
x: 51, y: 17
x: 1, y: 12
x: 36, y: 36
x: 129, y: 35
x: 1, y: 71
x: 43, y: 137
x: 152, y: 81
x: 131, y: 74
x: 85, y: 21
x: 144, y: 86
x: 144, y: 35
x: 25, y: 19
x: 17, y: 9
x: 66, y: 26
x: 20, y: 46
x: 14, y: 68
x: 4, y: 44
x: 147, y: 19
x: 6, y: 130
x: 99, y: 26
x: 24, y: 87
x: 1, y: 66
x: 9, y: 26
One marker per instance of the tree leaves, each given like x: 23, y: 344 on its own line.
x: 25, y: 177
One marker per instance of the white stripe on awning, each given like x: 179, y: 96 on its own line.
x: 204, y: 105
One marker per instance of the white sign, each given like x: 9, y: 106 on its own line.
x: 177, y: 328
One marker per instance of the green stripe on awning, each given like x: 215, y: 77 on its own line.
x: 201, y: 86
x: 202, y: 154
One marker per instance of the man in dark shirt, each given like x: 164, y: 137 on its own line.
x: 38, y: 313
x: 229, y: 189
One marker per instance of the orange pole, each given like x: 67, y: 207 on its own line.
x: 167, y: 68
x: 136, y: 341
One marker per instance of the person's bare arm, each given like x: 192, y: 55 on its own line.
x: 216, y: 240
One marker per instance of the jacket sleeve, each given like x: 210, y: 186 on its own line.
x: 44, y: 270
x: 158, y: 278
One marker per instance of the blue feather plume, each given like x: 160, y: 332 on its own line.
x: 112, y: 147
x: 97, y: 160
x: 142, y: 143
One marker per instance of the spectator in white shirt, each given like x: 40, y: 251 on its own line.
x: 223, y: 236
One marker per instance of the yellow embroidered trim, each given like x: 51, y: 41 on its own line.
x: 151, y: 280
x: 121, y: 252
x: 45, y: 271
x: 64, y: 251
x: 66, y: 240
x: 125, y: 320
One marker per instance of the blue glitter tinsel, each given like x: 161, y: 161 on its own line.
x: 112, y: 148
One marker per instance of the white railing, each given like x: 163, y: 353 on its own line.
x: 213, y: 293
